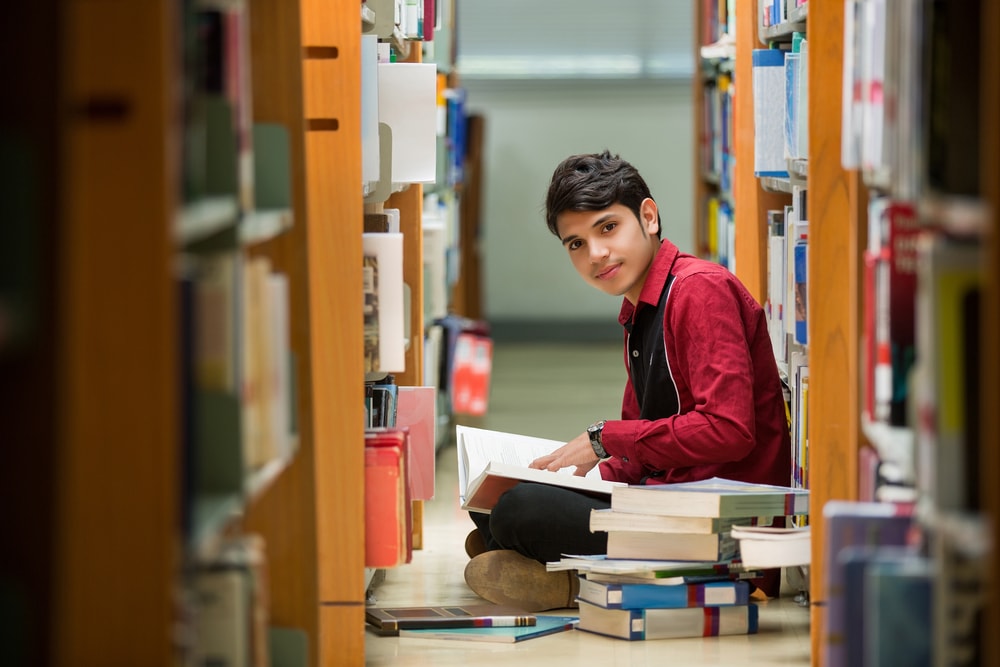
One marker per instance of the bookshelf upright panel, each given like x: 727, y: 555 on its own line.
x: 990, y: 448
x: 115, y: 538
x: 834, y: 255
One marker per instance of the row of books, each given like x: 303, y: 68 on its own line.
x: 400, y: 449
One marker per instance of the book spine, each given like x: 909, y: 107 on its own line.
x: 458, y: 622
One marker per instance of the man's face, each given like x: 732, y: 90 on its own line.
x: 610, y: 248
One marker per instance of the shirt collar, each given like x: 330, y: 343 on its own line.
x: 655, y: 281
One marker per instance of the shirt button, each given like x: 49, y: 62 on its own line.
x: 625, y: 459
x: 635, y: 353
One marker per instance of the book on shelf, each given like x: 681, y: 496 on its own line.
x: 889, y: 307
x: 775, y: 307
x: 611, y: 519
x: 714, y: 497
x: 390, y: 620
x: 384, y: 316
x: 950, y: 284
x: 852, y: 524
x: 768, y: 547
x: 857, y: 611
x: 612, y: 595
x: 643, y: 624
x: 544, y: 626
x: 370, y: 308
x: 472, y: 364
x: 416, y: 411
x: 491, y: 462
x: 898, y: 593
x: 231, y: 603
x: 671, y: 546
x: 768, y: 78
x: 388, y: 534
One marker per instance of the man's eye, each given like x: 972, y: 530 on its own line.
x: 573, y: 245
x: 608, y: 227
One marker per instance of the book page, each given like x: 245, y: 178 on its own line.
x: 477, y: 447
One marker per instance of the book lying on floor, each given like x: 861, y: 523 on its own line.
x: 671, y: 546
x: 653, y: 568
x: 713, y: 498
x: 390, y: 620
x: 544, y: 625
x: 640, y: 624
x: 491, y: 462
x: 610, y: 519
x: 652, y: 596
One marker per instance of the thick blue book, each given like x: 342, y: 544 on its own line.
x: 641, y: 624
x: 653, y: 596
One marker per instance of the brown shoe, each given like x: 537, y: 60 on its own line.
x: 506, y: 577
x: 474, y: 544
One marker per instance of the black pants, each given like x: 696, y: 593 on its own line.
x: 543, y: 522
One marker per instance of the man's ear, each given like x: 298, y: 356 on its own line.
x: 650, y: 217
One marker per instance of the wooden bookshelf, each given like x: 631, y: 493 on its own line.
x: 306, y: 77
x: 750, y: 201
x: 837, y: 212
x: 834, y: 259
x: 114, y: 380
x: 990, y: 429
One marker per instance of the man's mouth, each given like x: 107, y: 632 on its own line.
x: 609, y: 273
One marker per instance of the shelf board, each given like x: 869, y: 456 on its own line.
x: 201, y: 219
x: 261, y: 226
x: 798, y: 169
x: 367, y: 18
x: 258, y: 481
x: 962, y: 216
x: 894, y: 444
x: 781, y: 32
x: 776, y: 184
x: 211, y: 516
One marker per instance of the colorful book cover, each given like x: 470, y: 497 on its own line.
x: 387, y: 507
x: 653, y: 596
x: 416, y: 411
x: 899, y: 629
x: 642, y: 624
x: 544, y: 626
x: 768, y: 71
x: 850, y: 524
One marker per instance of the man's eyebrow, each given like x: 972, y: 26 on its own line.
x: 597, y: 223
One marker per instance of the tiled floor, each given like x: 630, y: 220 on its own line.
x: 552, y: 391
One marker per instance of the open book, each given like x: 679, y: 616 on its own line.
x: 491, y: 462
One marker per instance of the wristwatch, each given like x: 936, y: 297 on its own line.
x: 594, y: 431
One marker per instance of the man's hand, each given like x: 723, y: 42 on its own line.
x: 577, y: 452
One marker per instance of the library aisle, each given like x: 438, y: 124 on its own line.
x: 552, y: 391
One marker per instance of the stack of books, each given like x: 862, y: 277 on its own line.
x: 672, y: 567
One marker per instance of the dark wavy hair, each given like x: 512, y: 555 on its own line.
x: 593, y: 182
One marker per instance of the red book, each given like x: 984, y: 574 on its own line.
x: 470, y: 378
x: 388, y: 533
x: 416, y: 411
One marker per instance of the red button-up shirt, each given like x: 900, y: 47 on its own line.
x: 711, y: 402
